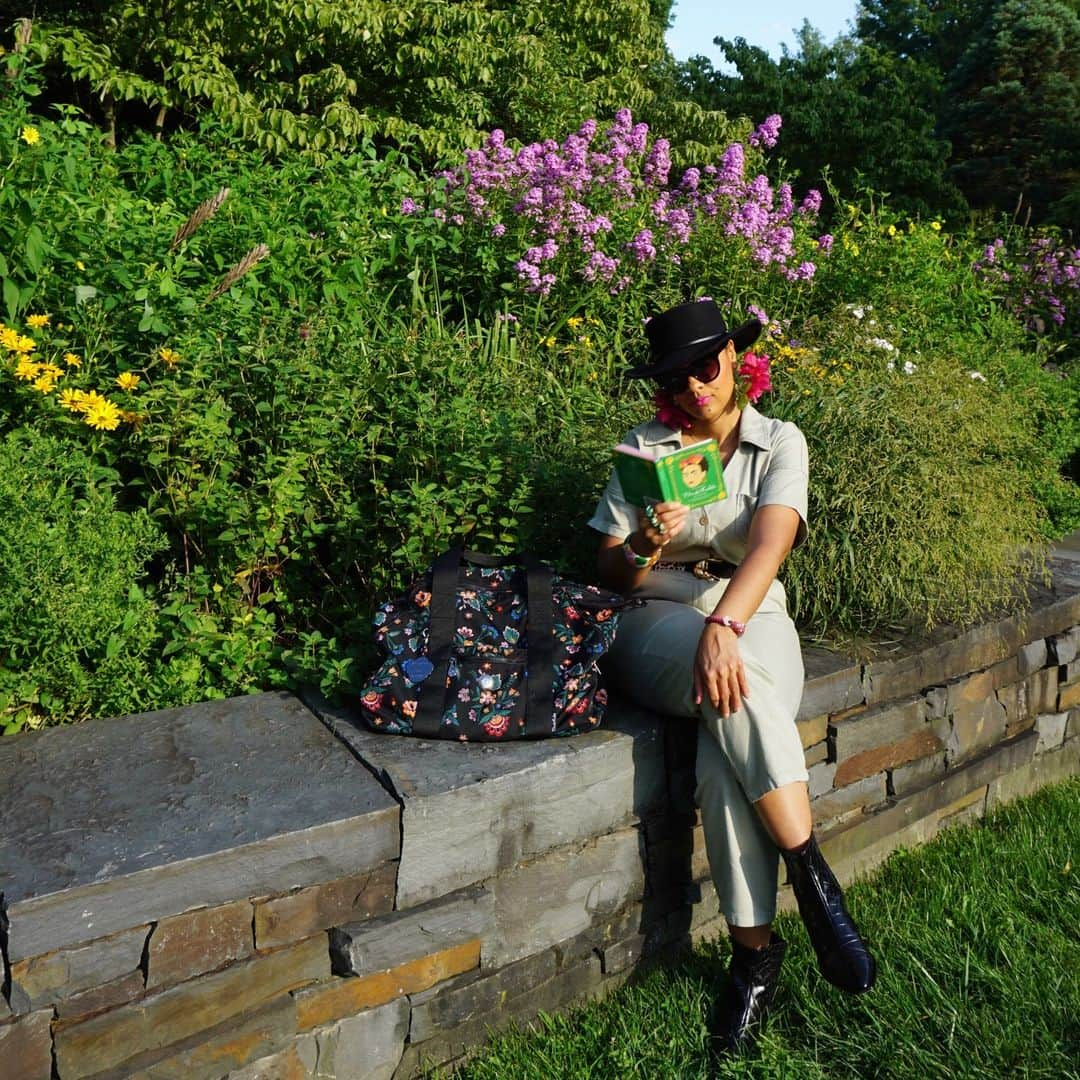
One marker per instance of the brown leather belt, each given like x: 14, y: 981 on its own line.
x: 705, y: 569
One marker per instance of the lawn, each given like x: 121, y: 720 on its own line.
x: 978, y: 940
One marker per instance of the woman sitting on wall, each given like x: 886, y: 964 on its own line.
x: 715, y: 642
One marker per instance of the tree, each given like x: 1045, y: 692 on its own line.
x: 934, y: 32
x: 1016, y: 121
x: 863, y: 114
x: 324, y: 74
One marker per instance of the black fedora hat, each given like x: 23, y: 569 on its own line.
x: 685, y: 333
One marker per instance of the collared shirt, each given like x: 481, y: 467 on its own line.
x: 769, y: 466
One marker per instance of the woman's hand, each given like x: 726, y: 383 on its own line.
x: 718, y: 670
x: 665, y: 523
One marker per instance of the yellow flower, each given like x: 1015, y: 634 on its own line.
x: 27, y: 369
x: 79, y: 264
x: 936, y: 226
x: 101, y: 414
x: 548, y: 342
x: 72, y: 400
x: 574, y: 321
x: 169, y: 357
x: 52, y: 371
x: 16, y: 342
x: 135, y: 419
x: 855, y: 249
x: 45, y: 383
x: 36, y: 322
x: 72, y: 360
x: 891, y: 230
x: 30, y: 135
x: 586, y: 341
x: 127, y: 380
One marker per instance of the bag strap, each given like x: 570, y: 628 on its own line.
x: 540, y: 664
x: 442, y: 613
x: 442, y: 617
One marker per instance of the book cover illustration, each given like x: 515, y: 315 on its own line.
x: 692, y: 475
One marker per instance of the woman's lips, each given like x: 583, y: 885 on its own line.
x: 702, y: 400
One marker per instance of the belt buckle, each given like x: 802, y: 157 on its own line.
x: 700, y: 570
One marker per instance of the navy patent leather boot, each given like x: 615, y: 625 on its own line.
x: 752, y: 980
x: 842, y: 954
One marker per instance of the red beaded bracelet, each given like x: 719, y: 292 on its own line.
x: 729, y: 622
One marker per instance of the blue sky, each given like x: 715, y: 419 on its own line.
x: 766, y: 24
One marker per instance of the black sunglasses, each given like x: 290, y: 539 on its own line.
x: 704, y: 370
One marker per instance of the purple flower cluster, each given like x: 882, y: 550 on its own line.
x: 1040, y: 282
x: 767, y: 133
x: 603, y: 207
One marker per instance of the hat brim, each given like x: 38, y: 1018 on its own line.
x: 744, y: 336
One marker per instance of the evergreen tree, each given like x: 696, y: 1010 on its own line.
x: 1015, y: 124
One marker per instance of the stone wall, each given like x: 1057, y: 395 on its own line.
x: 258, y: 888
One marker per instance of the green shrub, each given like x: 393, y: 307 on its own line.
x: 380, y: 387
x: 77, y: 630
x: 922, y: 507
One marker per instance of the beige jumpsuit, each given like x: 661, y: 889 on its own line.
x: 741, y: 757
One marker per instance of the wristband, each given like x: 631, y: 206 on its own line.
x: 729, y: 622
x: 639, y: 562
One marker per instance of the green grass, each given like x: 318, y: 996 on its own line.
x: 978, y: 940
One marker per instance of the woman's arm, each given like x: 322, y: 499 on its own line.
x: 614, y: 568
x: 718, y: 667
x: 772, y: 534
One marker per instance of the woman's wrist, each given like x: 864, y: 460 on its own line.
x: 734, y: 625
x: 634, y: 558
x: 641, y: 545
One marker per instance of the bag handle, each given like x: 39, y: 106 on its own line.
x: 442, y: 616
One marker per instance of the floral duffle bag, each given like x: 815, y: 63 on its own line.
x: 488, y: 649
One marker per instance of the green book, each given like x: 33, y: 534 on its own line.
x: 692, y: 475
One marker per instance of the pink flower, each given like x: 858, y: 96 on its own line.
x: 754, y: 372
x: 669, y: 414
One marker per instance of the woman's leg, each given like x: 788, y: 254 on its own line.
x: 785, y: 813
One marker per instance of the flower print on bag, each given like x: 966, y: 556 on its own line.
x: 497, y: 726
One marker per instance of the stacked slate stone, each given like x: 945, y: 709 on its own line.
x: 258, y: 888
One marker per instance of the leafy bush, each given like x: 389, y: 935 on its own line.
x: 307, y: 434
x: 77, y: 628
x: 320, y: 76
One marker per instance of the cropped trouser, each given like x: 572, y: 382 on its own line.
x: 741, y: 757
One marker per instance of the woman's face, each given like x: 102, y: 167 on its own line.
x: 708, y: 400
